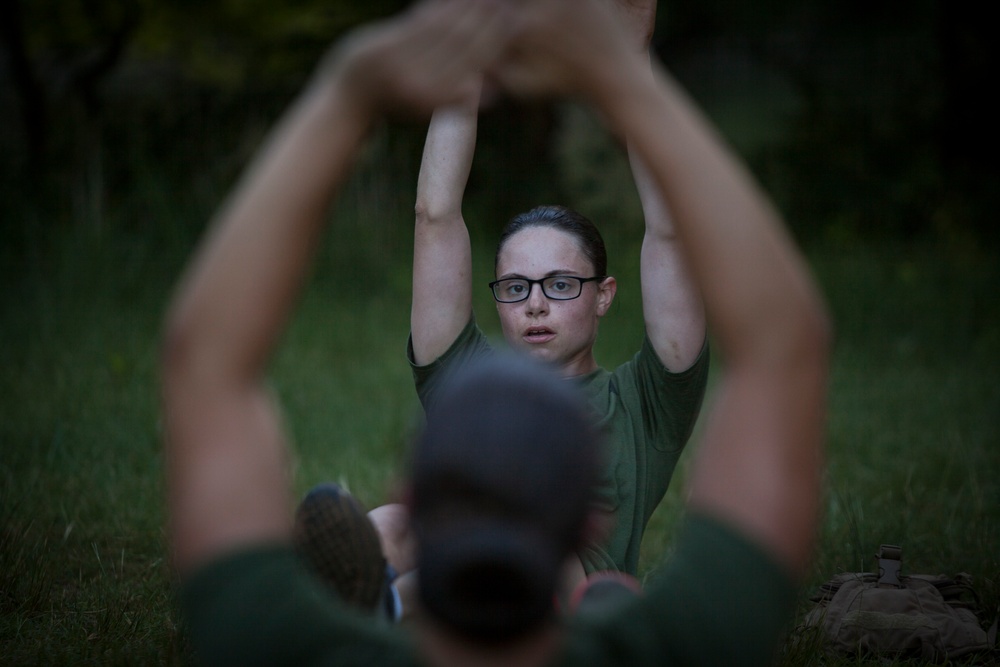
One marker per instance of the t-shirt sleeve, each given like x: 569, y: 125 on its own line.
x: 719, y: 600
x: 260, y: 606
x: 470, y: 344
x: 670, y: 401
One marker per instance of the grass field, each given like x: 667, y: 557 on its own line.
x: 914, y: 446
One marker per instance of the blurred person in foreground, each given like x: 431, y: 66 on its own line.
x: 489, y: 545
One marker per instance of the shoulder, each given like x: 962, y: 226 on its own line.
x: 644, y: 376
x: 261, y: 601
x: 719, y: 600
x: 470, y: 344
x: 753, y: 596
x: 659, y: 403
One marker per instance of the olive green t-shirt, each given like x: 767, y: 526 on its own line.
x: 719, y: 600
x: 646, y: 414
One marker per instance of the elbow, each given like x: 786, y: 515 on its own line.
x: 420, y: 210
x: 426, y: 211
x: 793, y: 334
x: 178, y: 352
x: 818, y: 325
x: 810, y: 336
x: 174, y: 354
x: 793, y: 331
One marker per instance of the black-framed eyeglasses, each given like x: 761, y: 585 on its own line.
x: 558, y: 288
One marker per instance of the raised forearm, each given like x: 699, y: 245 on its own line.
x: 447, y: 160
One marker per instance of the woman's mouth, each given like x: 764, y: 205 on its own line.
x: 536, y: 335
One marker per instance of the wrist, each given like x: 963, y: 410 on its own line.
x: 340, y: 95
x: 343, y: 81
x: 616, y: 89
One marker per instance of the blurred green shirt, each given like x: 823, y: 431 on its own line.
x: 719, y: 600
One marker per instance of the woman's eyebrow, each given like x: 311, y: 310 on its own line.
x: 554, y: 272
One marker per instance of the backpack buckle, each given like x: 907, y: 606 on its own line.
x: 890, y: 561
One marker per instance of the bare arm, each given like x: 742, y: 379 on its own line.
x: 442, y: 255
x: 226, y: 473
x: 671, y: 304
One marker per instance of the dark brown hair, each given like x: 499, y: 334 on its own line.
x: 566, y: 220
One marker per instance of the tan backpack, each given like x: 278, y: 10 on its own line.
x: 891, y: 614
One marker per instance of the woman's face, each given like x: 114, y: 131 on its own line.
x: 558, y: 332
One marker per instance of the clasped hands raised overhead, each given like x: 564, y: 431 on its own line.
x: 441, y: 52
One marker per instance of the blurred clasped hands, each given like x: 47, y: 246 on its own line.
x: 441, y: 52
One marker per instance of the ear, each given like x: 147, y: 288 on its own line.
x: 606, y: 291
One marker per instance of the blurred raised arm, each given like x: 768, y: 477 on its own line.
x: 759, y: 463
x: 225, y: 451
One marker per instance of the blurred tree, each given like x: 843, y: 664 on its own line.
x: 63, y: 48
x: 252, y: 43
x: 68, y: 48
x: 966, y: 127
x: 861, y: 118
x: 68, y: 60
x: 887, y: 133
